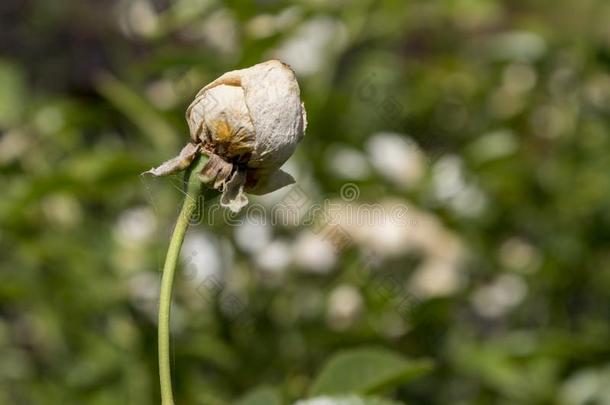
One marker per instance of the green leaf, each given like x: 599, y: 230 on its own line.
x: 143, y: 115
x: 351, y: 400
x: 260, y: 396
x: 367, y: 370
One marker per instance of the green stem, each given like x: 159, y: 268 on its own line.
x: 193, y: 192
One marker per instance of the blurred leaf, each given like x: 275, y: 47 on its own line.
x: 351, y: 400
x: 139, y: 111
x: 211, y: 349
x: 180, y: 14
x: 495, y: 366
x: 12, y: 93
x: 366, y: 371
x: 260, y: 396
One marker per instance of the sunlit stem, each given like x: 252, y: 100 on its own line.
x: 194, y: 190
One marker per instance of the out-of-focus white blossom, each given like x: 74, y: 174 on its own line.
x: 587, y: 386
x: 347, y: 163
x: 393, y: 227
x: 220, y: 31
x: 143, y: 288
x: 65, y: 210
x: 391, y: 325
x: 162, y: 94
x: 201, y: 257
x: 518, y: 255
x: 254, y: 234
x: 450, y: 186
x: 275, y: 257
x: 344, y: 306
x: 314, y: 41
x: 597, y: 91
x: 448, y: 177
x: 137, y: 17
x: 314, y: 253
x: 265, y: 25
x: 13, y: 145
x: 436, y: 277
x: 522, y: 46
x: 397, y: 158
x: 519, y: 77
x: 499, y: 297
x: 135, y: 226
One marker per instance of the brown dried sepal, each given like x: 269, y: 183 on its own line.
x: 178, y: 163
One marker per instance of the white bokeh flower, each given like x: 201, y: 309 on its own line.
x: 135, y: 226
x: 345, y: 305
x: 254, y: 234
x: 397, y: 158
x: 275, y: 257
x: 499, y: 297
x: 314, y: 252
x: 201, y: 257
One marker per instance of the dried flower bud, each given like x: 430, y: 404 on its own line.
x: 248, y: 122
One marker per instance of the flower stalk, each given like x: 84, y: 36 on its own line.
x: 243, y: 126
x: 194, y: 189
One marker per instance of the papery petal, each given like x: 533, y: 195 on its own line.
x: 273, y: 99
x: 233, y: 196
x: 177, y: 164
x: 270, y: 182
x: 220, y: 118
x: 216, y: 170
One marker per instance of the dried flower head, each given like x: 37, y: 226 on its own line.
x: 248, y: 122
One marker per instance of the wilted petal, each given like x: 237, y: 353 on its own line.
x: 220, y: 118
x: 274, y: 101
x: 270, y: 182
x: 232, y: 78
x: 233, y: 196
x: 215, y: 170
x: 177, y: 164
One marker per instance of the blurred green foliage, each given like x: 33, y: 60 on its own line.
x: 504, y: 109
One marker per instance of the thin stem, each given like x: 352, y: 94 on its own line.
x: 193, y: 191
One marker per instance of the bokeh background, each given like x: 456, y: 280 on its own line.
x: 485, y: 122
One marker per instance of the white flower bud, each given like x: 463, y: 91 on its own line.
x: 249, y: 123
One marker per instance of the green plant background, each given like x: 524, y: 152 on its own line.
x: 501, y: 278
